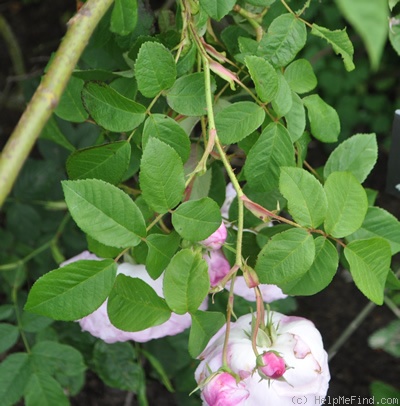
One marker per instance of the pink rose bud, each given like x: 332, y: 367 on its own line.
x: 223, y: 390
x: 216, y: 239
x: 224, y: 73
x: 218, y: 266
x: 250, y: 276
x: 273, y: 366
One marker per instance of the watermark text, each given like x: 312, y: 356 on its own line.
x: 342, y: 400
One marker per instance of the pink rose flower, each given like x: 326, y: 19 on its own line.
x: 216, y: 239
x: 83, y: 255
x: 230, y: 195
x: 222, y: 390
x: 218, y: 266
x: 99, y: 325
x: 297, y: 342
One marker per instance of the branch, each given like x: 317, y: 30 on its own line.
x: 48, y: 94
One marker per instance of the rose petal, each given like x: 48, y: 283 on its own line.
x: 218, y: 266
x: 216, y: 239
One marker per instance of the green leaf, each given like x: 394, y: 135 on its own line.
x: 52, y: 132
x: 204, y: 326
x: 134, y: 306
x: 340, y: 42
x: 187, y: 95
x: 196, y: 220
x: 101, y: 250
x: 282, y: 102
x: 70, y: 107
x: 117, y: 365
x: 8, y: 336
x: 381, y: 390
x: 201, y: 185
x: 155, y: 69
x: 161, y: 249
x: 161, y: 176
x: 64, y: 362
x: 104, y: 212
x: 217, y: 9
x: 264, y: 77
x: 369, y: 262
x: 286, y: 36
x: 186, y: 282
x: 321, y: 273
x: 306, y: 197
x: 392, y: 4
x: 73, y: 291
x: 33, y: 323
x: 394, y: 33
x: 238, y: 120
x: 44, y: 390
x: 15, y: 372
x: 296, y: 118
x: 159, y: 369
x: 392, y: 281
x: 300, y: 76
x: 370, y: 21
x: 169, y: 131
x: 6, y: 311
x: 347, y: 204
x: 273, y: 149
x: 124, y: 17
x: 379, y: 223
x: 110, y: 109
x: 358, y: 155
x: 286, y: 257
x: 324, y: 120
x: 107, y: 162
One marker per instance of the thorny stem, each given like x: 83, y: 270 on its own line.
x: 229, y: 311
x: 251, y: 18
x: 154, y: 222
x: 214, y: 140
x: 296, y: 15
x: 312, y: 170
x: 239, y: 193
x: 153, y: 102
x: 259, y: 318
x: 46, y: 97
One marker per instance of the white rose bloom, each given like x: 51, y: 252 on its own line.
x: 99, y: 325
x: 295, y: 340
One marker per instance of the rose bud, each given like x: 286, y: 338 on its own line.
x: 223, y: 390
x: 272, y: 365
